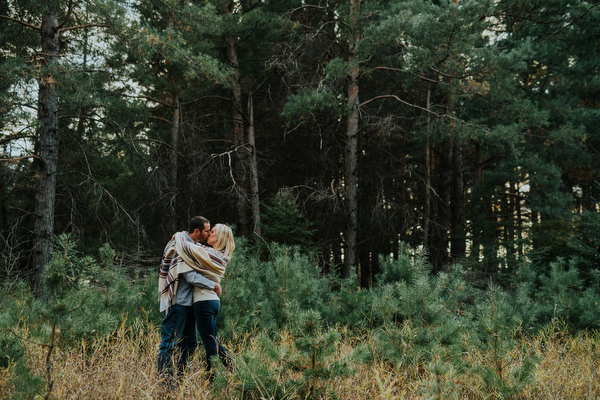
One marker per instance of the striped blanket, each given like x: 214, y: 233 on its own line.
x: 181, y: 256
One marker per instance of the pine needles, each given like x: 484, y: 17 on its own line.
x: 297, y: 335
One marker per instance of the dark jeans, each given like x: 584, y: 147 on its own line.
x: 206, y: 320
x: 178, y: 340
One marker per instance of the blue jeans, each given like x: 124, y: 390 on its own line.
x: 206, y: 312
x: 178, y: 340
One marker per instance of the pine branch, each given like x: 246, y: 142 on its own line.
x: 25, y: 339
x: 448, y: 75
x: 71, y: 28
x: 19, y: 158
x: 388, y: 69
x: 512, y: 25
x: 68, y: 14
x: 392, y: 96
x: 162, y: 119
x: 37, y: 28
x: 570, y: 23
x: 228, y: 154
x: 10, y: 138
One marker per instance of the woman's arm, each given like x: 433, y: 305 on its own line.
x: 197, y: 279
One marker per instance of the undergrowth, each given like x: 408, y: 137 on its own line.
x: 295, y: 334
x: 123, y: 366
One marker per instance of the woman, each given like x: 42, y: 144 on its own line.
x: 206, y: 302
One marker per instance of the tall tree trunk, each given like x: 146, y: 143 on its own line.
x: 351, y: 175
x: 427, y: 205
x: 173, y: 218
x: 457, y: 244
x: 238, y: 137
x: 478, y: 175
x: 519, y: 224
x: 510, y: 225
x: 46, y: 150
x: 173, y: 162
x: 364, y: 254
x: 367, y: 238
x: 441, y: 239
x: 254, y: 197
x: 351, y: 164
x: 476, y: 205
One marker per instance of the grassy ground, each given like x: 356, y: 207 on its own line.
x: 123, y: 366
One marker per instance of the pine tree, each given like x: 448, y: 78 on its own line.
x: 500, y: 328
x: 284, y: 223
x: 52, y: 22
x: 166, y: 50
x: 553, y: 74
x: 87, y: 299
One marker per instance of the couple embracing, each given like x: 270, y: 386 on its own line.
x: 189, y: 289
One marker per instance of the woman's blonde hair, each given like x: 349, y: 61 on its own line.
x: 225, y: 242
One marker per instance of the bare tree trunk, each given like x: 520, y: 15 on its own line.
x: 441, y: 239
x: 351, y: 172
x: 475, y: 225
x: 519, y: 224
x: 173, y: 162
x: 238, y: 137
x: 457, y: 244
x: 255, y: 200
x: 510, y: 225
x: 351, y: 177
x: 46, y: 150
x: 427, y: 206
x: 478, y: 178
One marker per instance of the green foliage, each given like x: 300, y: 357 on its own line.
x: 255, y: 376
x: 316, y: 349
x: 85, y: 299
x: 411, y: 318
x: 307, y: 102
x: 347, y: 303
x: 439, y: 387
x: 522, y: 93
x: 516, y: 98
x: 393, y: 344
x: 12, y: 349
x: 396, y: 270
x: 86, y: 296
x: 270, y: 369
x: 337, y: 69
x: 284, y: 223
x: 424, y: 299
x: 264, y: 295
x: 587, y: 240
x: 417, y: 316
x: 500, y: 324
x: 563, y: 297
x: 297, y: 320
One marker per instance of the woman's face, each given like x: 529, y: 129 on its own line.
x: 212, y: 238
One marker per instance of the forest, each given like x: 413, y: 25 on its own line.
x: 413, y: 187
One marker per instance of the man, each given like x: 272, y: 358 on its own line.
x: 176, y: 287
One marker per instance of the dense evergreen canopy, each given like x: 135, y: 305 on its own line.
x: 467, y: 127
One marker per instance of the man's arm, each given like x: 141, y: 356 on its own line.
x: 197, y: 279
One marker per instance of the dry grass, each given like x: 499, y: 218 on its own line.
x: 123, y: 366
x: 568, y: 369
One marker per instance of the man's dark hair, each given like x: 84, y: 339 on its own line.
x: 197, y: 223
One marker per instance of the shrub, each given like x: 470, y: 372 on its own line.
x: 284, y: 223
x: 563, y: 296
x: 84, y: 299
x: 264, y: 295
